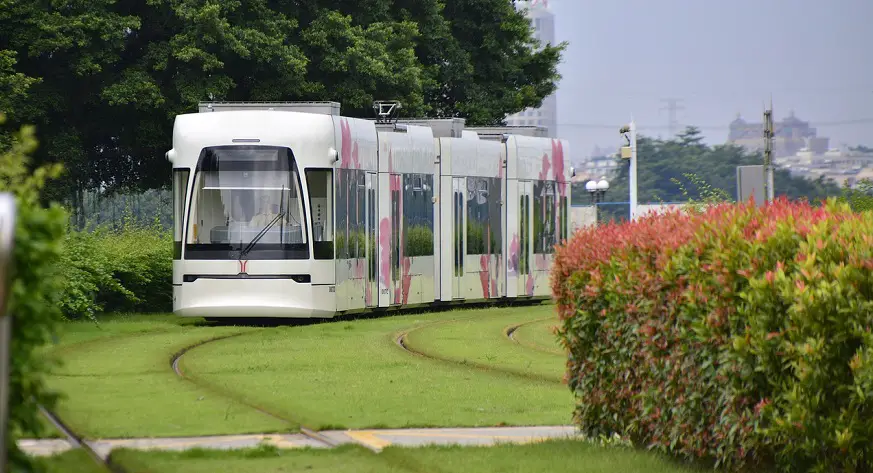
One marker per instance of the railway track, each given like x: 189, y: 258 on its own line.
x: 401, y: 340
x: 77, y: 441
x: 307, y: 431
x: 509, y: 332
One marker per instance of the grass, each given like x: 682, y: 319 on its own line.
x: 71, y: 460
x: 555, y: 455
x: 482, y: 341
x: 117, y: 382
x: 354, y: 375
x: 539, y: 336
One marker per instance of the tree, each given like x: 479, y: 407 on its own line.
x: 110, y: 75
x: 485, y: 63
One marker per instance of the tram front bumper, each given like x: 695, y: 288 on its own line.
x: 205, y: 297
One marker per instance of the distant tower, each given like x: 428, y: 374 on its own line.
x: 543, y: 23
x: 672, y: 107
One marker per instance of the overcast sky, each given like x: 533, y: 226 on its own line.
x: 721, y: 58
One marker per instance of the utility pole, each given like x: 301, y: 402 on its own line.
x: 629, y: 152
x: 672, y: 107
x: 768, y: 152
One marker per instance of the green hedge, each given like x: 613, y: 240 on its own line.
x: 124, y: 270
x: 739, y: 335
x: 34, y: 291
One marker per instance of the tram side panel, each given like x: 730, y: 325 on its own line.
x: 471, y: 177
x: 355, y: 234
x: 543, y: 186
x: 447, y: 237
x: 512, y: 206
x: 407, y: 246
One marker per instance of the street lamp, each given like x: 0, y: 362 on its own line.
x: 597, y: 189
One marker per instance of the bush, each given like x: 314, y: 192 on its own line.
x: 124, y: 270
x: 35, y: 289
x: 739, y: 335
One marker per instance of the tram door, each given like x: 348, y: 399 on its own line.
x: 459, y: 190
x: 525, y: 237
x: 371, y: 279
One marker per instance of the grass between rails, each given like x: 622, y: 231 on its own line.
x: 556, y: 455
x: 117, y: 382
x: 354, y: 375
x: 539, y: 336
x: 482, y: 341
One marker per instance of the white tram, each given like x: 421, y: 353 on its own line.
x: 291, y: 210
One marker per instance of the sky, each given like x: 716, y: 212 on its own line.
x: 720, y: 58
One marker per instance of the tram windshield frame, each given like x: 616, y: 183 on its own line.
x: 237, y: 191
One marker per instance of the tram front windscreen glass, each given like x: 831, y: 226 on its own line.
x: 246, y: 199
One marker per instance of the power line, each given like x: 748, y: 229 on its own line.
x: 857, y: 121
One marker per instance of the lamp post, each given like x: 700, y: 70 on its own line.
x: 7, y: 240
x: 597, y: 190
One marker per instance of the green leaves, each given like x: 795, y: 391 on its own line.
x: 35, y: 287
x: 113, y: 73
x: 754, y: 345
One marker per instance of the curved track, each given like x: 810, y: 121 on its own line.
x: 510, y: 334
x: 400, y: 340
x: 174, y: 363
x: 78, y: 441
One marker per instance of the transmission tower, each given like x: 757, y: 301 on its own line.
x: 672, y: 107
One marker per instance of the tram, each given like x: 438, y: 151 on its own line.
x: 292, y: 210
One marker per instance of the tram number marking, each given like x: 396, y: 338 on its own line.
x: 385, y: 291
x: 331, y: 289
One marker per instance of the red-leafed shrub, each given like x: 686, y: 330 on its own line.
x: 738, y: 334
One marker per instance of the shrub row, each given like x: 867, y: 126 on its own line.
x: 739, y: 335
x: 124, y: 270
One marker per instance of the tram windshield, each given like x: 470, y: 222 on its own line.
x: 246, y: 199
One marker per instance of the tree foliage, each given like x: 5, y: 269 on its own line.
x: 664, y: 167
x: 35, y: 287
x: 104, y: 79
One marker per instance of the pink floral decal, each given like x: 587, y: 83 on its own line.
x: 514, y: 254
x: 385, y: 252
x: 348, y: 147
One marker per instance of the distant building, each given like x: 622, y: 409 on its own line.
x: 790, y: 136
x: 544, y: 30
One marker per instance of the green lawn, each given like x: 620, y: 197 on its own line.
x: 482, y: 341
x: 117, y: 382
x: 71, y: 461
x: 551, y: 456
x: 354, y: 375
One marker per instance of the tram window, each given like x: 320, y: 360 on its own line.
x: 483, y: 217
x: 417, y: 221
x: 544, y: 217
x: 180, y: 192
x: 320, y: 185
x: 246, y: 199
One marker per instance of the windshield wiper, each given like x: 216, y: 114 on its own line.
x: 266, y: 228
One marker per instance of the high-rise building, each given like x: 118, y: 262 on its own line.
x: 543, y: 21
